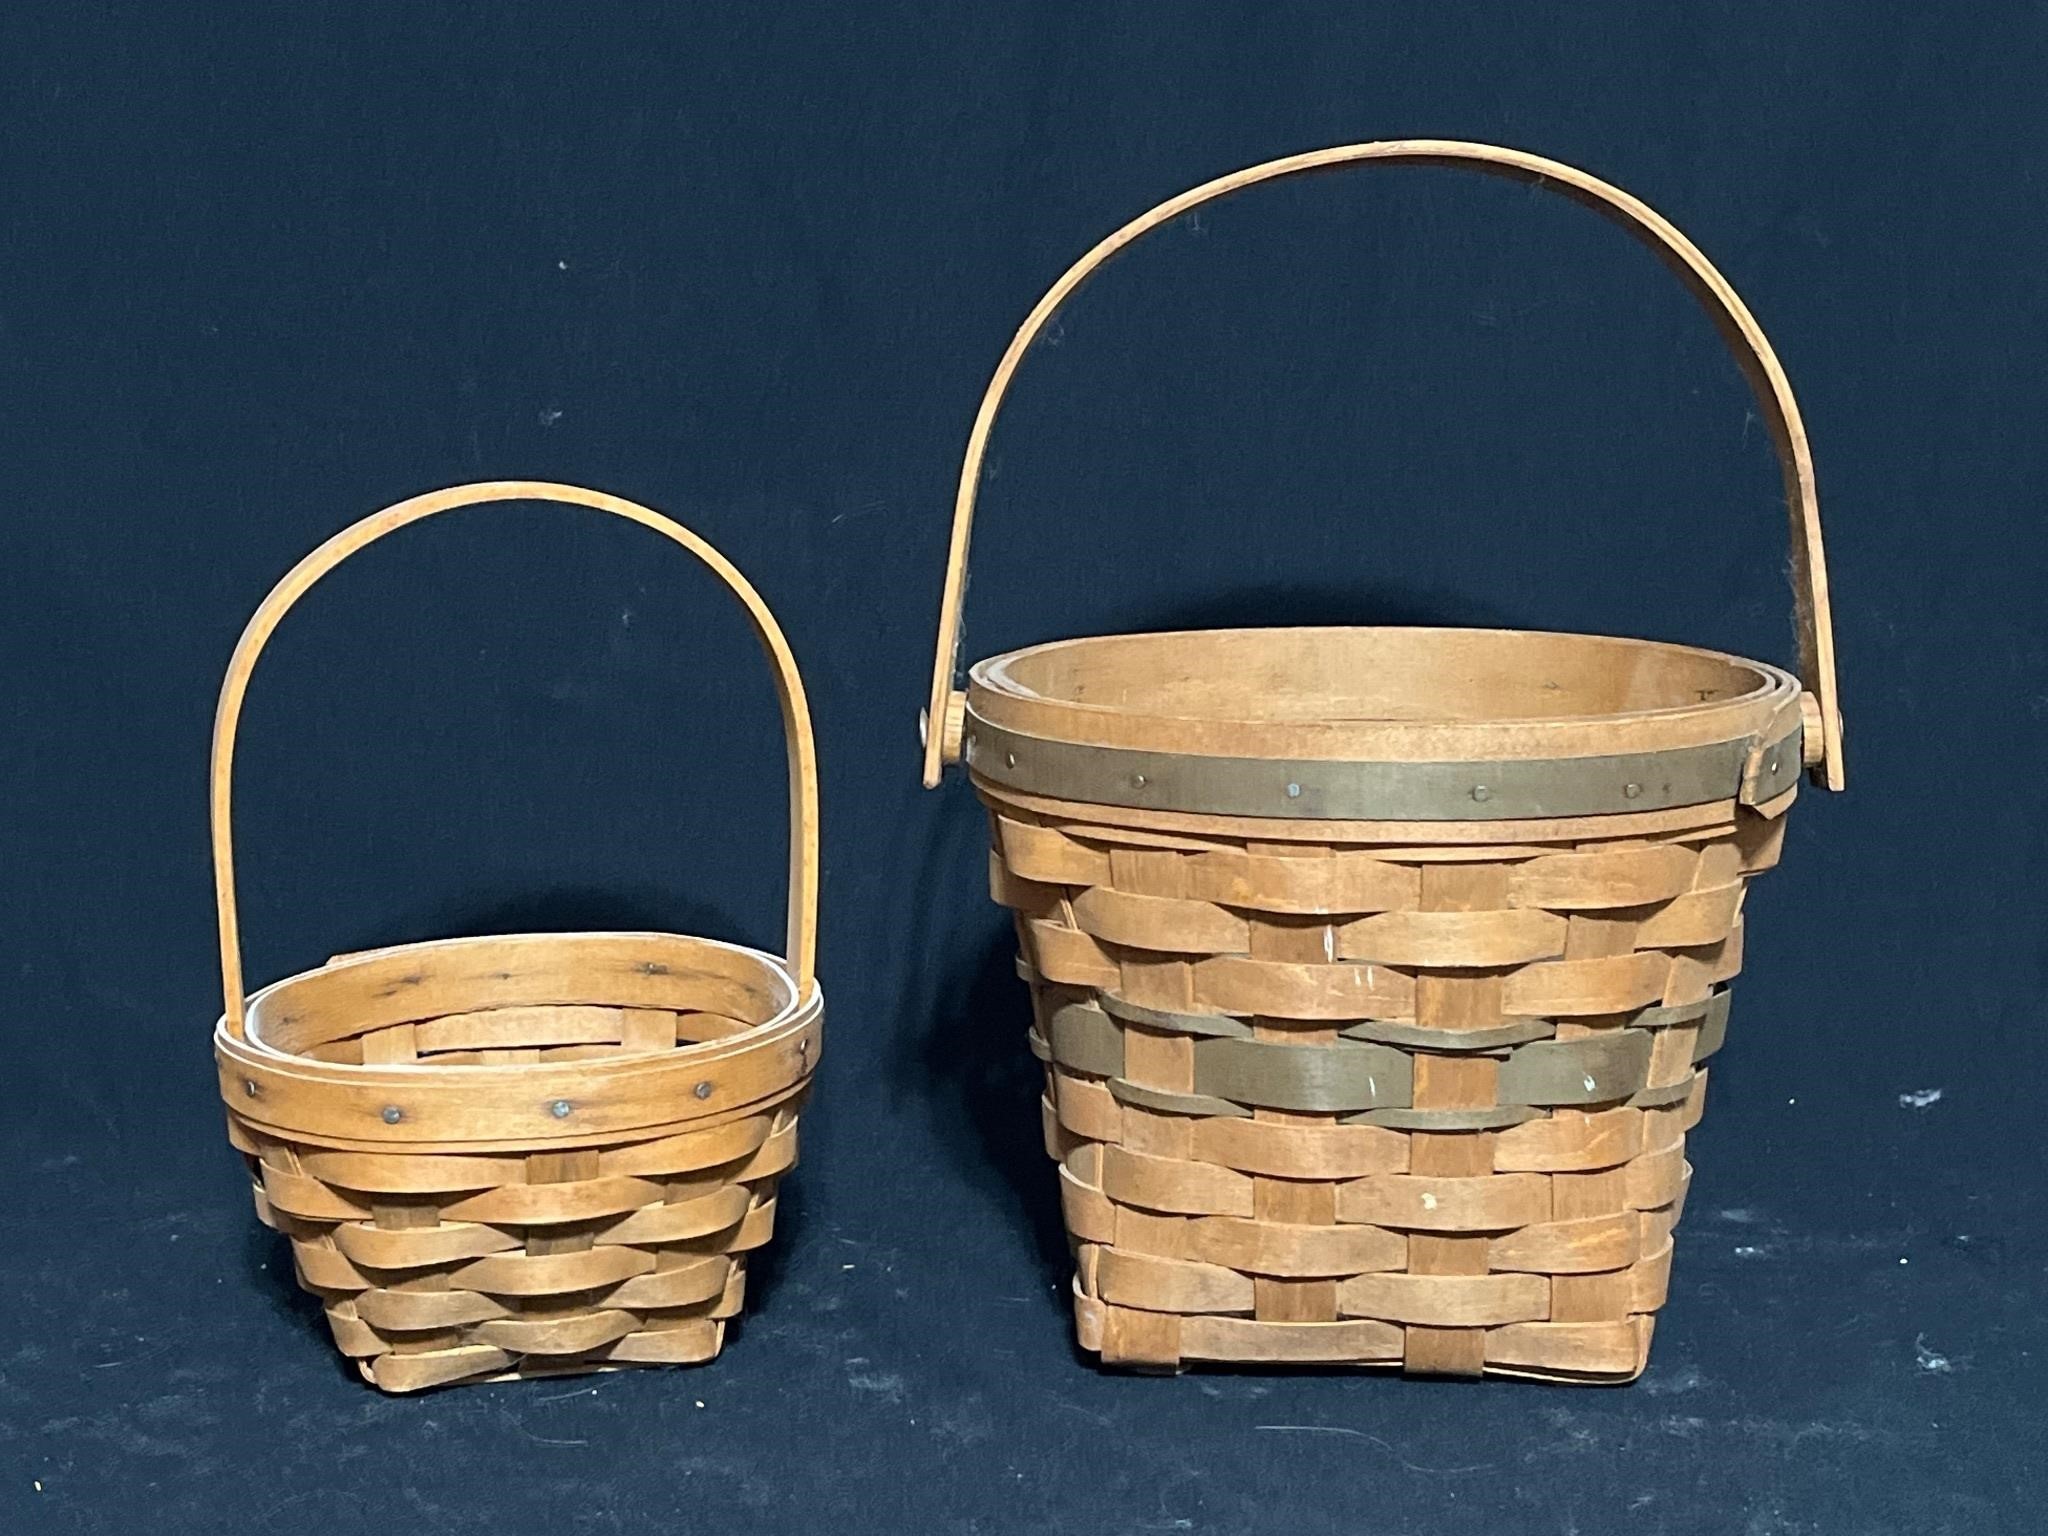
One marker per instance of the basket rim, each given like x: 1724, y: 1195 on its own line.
x: 287, y: 1093
x: 993, y: 675
x: 704, y: 1048
x: 1747, y: 744
x: 1532, y: 835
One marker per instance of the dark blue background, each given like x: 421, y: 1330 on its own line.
x: 265, y: 268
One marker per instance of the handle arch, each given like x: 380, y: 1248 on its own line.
x: 1738, y: 328
x: 802, y: 932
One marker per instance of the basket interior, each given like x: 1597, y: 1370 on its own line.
x: 1361, y: 675
x: 526, y: 999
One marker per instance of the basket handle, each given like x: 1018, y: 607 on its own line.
x: 944, y: 714
x: 789, y: 689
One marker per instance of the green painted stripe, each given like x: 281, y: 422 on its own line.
x: 1713, y: 1028
x: 1127, y: 1092
x: 1422, y: 1037
x: 1084, y: 1039
x: 1595, y: 1070
x: 1315, y: 1078
x: 1497, y: 1119
x: 1658, y: 1098
x: 1206, y: 1024
x: 1665, y: 1016
x: 1346, y: 790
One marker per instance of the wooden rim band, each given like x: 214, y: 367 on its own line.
x: 1750, y: 772
x: 796, y: 719
x: 622, y: 1098
x: 1745, y: 338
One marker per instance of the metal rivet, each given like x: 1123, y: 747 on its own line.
x: 559, y: 1109
x: 1481, y: 792
x: 703, y: 1090
x: 1010, y: 759
x: 1294, y: 791
x: 1137, y: 781
x: 1770, y: 765
x: 1633, y: 791
x: 249, y: 1087
x: 393, y: 1114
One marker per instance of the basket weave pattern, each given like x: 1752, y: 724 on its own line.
x: 444, y: 1267
x: 528, y: 1154
x: 1374, y: 966
x: 1420, y: 1106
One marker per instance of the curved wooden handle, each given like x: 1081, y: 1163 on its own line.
x: 1737, y: 326
x: 789, y: 688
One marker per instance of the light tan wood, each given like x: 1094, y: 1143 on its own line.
x: 1088, y: 1110
x: 796, y: 722
x: 1571, y: 1141
x: 1534, y: 1242
x: 1570, y: 1351
x: 1290, y: 1151
x: 522, y: 1155
x: 1241, y: 1341
x: 1565, y: 1247
x: 1166, y: 1184
x: 1446, y: 1301
x: 1627, y: 876
x: 1485, y: 1203
x: 1454, y: 1001
x: 1301, y: 1215
x: 1366, y: 694
x: 1469, y: 939
x: 1170, y: 1285
x: 1746, y: 339
x: 1405, y: 1091
x: 1158, y: 922
x: 1297, y: 1250
x: 550, y: 1257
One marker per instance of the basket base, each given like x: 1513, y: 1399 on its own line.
x: 1614, y: 1354
x: 696, y: 1343
x: 431, y: 1290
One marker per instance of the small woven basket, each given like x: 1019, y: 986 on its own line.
x: 529, y: 1155
x: 1374, y: 970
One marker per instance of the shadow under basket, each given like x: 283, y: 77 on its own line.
x: 476, y: 1151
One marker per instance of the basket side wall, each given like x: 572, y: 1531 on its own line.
x: 1419, y: 1106
x: 443, y: 1268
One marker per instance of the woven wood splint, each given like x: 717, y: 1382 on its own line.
x: 1376, y: 971
x: 526, y: 1155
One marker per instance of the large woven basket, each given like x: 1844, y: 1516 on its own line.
x: 548, y: 1153
x: 1375, y: 969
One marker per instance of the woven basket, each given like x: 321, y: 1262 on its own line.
x: 1374, y: 970
x: 531, y: 1155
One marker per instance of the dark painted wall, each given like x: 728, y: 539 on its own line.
x: 264, y: 269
